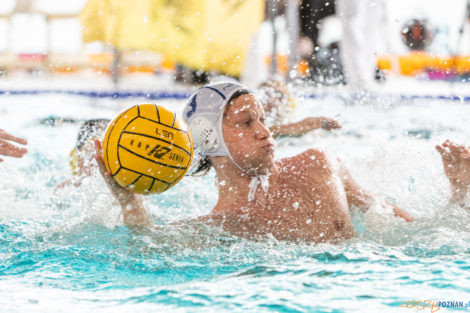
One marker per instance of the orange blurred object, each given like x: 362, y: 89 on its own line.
x: 168, y: 63
x: 140, y: 69
x: 418, y: 62
x: 282, y: 64
x: 64, y: 69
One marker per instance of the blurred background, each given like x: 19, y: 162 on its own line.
x: 197, y: 41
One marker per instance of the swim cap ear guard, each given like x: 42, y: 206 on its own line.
x: 205, y: 134
x: 204, y: 114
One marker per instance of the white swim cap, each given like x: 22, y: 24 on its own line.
x: 204, y: 114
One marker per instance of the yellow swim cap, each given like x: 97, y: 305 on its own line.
x: 291, y: 104
x: 74, y: 163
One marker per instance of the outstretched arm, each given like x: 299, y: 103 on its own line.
x: 362, y: 199
x: 456, y: 161
x: 133, y: 211
x: 9, y: 149
x: 304, y: 126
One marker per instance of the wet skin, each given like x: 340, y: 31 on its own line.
x: 456, y: 162
x: 7, y: 148
x: 309, y: 195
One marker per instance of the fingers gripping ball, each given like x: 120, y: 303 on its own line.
x: 147, y: 149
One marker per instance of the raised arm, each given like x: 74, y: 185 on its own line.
x: 9, y: 149
x: 133, y: 211
x: 304, y: 126
x: 456, y: 162
x: 362, y: 199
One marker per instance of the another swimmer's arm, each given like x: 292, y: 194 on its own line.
x: 133, y: 211
x: 68, y: 182
x: 304, y: 126
x: 362, y: 199
x: 9, y: 149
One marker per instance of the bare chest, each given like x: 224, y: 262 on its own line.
x: 295, y: 208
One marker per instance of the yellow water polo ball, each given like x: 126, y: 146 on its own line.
x: 147, y: 149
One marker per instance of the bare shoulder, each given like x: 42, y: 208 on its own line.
x: 310, y: 157
x: 311, y: 160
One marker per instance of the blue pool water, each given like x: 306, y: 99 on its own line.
x: 67, y: 250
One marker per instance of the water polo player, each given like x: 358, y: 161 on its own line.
x: 82, y: 154
x: 276, y: 100
x: 306, y: 197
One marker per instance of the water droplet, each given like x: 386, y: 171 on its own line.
x: 308, y: 221
x: 295, y: 205
x: 318, y: 202
x: 222, y: 183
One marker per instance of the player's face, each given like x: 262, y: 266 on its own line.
x: 247, y: 138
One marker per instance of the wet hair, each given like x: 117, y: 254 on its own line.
x: 203, y: 167
x: 89, y: 129
x: 205, y: 163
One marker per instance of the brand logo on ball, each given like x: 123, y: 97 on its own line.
x: 164, y: 133
x: 159, y: 151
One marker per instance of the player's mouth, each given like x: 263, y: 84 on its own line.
x: 269, y: 147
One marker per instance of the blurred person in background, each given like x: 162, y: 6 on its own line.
x: 7, y: 148
x: 324, y: 62
x: 311, y: 12
x: 277, y: 101
x: 360, y: 20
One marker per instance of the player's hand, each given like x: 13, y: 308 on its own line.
x: 329, y: 124
x: 133, y: 211
x: 456, y: 161
x: 9, y: 149
x: 123, y: 195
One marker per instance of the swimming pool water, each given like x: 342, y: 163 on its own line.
x: 67, y: 250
